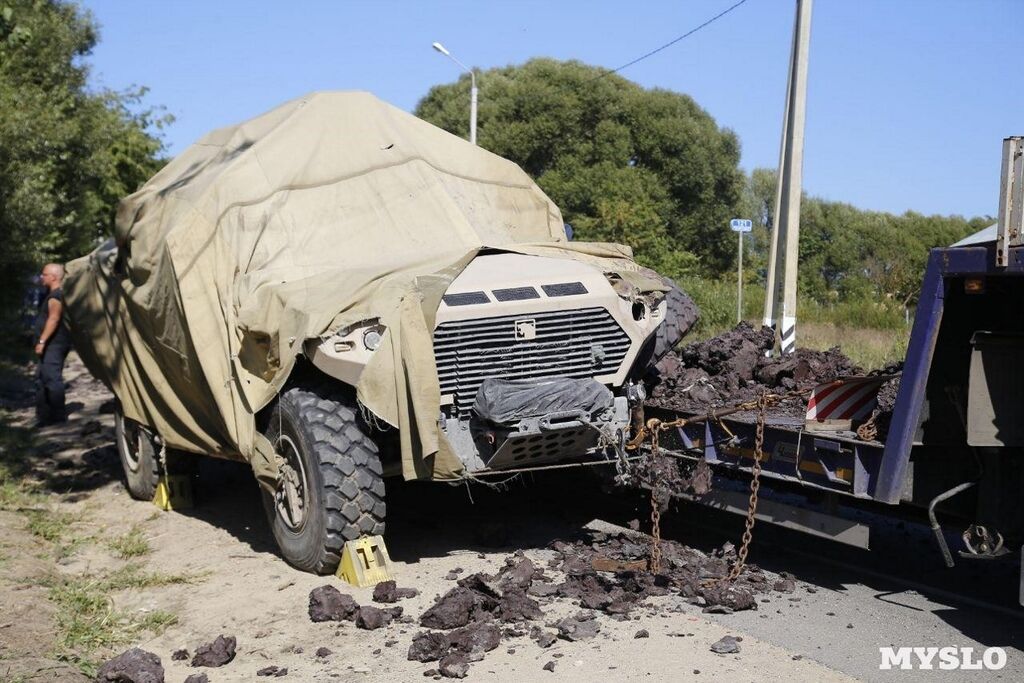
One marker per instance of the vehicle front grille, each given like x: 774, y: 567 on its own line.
x: 580, y: 343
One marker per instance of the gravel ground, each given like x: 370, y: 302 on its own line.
x: 828, y: 629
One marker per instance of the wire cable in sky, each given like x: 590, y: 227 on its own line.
x: 674, y: 40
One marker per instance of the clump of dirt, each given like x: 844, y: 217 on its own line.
x: 454, y: 666
x: 583, y: 626
x: 472, y: 640
x: 727, y: 645
x: 389, y: 592
x: 457, y: 608
x: 604, y: 574
x: 543, y: 638
x: 218, y: 653
x: 327, y: 603
x: 274, y: 671
x: 133, y: 666
x: 373, y: 618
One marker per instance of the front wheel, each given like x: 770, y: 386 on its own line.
x: 331, y: 488
x: 680, y: 315
x: 137, y: 450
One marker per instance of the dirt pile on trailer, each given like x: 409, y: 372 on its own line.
x: 732, y: 368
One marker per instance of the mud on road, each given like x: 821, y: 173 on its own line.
x: 172, y: 583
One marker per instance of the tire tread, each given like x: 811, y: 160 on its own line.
x: 349, y: 465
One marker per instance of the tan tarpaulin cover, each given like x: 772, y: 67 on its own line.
x: 328, y: 210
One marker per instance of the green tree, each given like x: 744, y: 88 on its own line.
x: 67, y: 153
x: 646, y: 167
x: 849, y: 254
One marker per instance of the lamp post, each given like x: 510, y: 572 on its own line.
x: 472, y: 91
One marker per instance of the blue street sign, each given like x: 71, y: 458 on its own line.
x: 741, y: 225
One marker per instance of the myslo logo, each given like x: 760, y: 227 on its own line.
x: 946, y: 658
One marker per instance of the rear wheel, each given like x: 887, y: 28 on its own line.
x: 331, y: 487
x: 138, y: 452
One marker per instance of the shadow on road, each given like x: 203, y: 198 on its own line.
x: 427, y: 519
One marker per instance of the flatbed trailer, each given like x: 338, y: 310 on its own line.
x: 955, y: 443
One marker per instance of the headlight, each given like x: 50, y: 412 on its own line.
x: 371, y: 338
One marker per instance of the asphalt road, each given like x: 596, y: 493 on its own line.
x: 848, y: 603
x: 851, y: 602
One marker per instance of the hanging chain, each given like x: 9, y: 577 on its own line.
x: 655, y: 510
x: 869, y: 430
x: 654, y: 427
x: 755, y: 485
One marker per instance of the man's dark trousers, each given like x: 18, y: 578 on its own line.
x: 50, y: 383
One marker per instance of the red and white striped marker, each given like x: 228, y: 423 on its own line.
x: 847, y: 398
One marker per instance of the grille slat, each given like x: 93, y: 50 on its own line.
x: 468, y: 370
x: 456, y: 326
x: 469, y: 351
x: 594, y: 331
x: 497, y: 327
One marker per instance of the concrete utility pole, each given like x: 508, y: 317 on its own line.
x: 780, y: 295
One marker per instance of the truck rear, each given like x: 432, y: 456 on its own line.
x: 954, y: 446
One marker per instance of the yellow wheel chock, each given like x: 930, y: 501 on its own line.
x: 365, y: 562
x: 173, y: 492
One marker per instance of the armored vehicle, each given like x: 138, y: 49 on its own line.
x: 337, y: 292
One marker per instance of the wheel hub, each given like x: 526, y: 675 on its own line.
x: 290, y: 497
x: 131, y: 441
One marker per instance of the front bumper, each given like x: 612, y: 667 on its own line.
x: 536, y: 441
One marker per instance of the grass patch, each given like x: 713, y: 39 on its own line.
x: 56, y: 528
x: 16, y: 447
x: 48, y: 525
x: 868, y: 348
x: 134, y: 575
x: 87, y: 620
x: 131, y: 544
x: 158, y: 621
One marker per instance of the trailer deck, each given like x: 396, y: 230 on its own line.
x: 831, y: 460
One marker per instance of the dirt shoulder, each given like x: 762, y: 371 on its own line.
x: 88, y: 572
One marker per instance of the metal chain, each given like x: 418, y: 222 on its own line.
x: 655, y: 426
x: 655, y: 512
x: 755, y: 485
x: 869, y: 430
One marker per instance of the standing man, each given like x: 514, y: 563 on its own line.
x: 53, y: 341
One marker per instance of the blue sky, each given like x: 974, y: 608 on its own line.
x: 907, y: 100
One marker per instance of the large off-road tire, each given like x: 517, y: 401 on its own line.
x: 680, y: 315
x: 331, y: 488
x: 139, y: 457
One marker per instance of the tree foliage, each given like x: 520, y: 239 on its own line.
x: 67, y: 153
x: 849, y: 254
x: 646, y: 167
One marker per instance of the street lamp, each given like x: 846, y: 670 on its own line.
x: 472, y: 91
